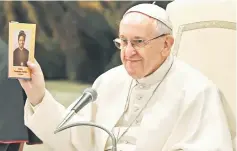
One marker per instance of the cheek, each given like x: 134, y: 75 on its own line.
x: 122, y: 55
x: 150, y: 58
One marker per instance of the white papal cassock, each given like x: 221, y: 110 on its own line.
x: 184, y: 112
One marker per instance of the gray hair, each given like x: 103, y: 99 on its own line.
x: 161, y: 28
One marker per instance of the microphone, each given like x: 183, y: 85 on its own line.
x: 89, y: 95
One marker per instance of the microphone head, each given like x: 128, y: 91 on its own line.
x: 92, y: 92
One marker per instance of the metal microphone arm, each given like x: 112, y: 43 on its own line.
x: 114, y: 143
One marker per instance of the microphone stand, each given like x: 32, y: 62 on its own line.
x: 114, y: 143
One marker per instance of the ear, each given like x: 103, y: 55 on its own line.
x: 168, y: 43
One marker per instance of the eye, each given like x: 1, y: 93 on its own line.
x: 124, y: 41
x: 139, y: 41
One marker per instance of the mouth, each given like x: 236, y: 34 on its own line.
x: 133, y: 60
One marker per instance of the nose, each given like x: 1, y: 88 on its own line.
x: 129, y: 50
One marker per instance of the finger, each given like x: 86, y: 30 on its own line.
x: 22, y: 82
x: 25, y: 83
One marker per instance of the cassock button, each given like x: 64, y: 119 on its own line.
x: 139, y: 97
x: 141, y: 86
x: 126, y: 142
x: 136, y: 107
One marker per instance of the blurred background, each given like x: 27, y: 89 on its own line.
x: 74, y: 41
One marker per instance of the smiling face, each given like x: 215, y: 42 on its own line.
x: 21, y: 41
x: 141, y: 62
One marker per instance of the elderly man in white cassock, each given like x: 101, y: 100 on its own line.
x: 153, y: 102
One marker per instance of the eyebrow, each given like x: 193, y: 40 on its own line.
x: 136, y: 37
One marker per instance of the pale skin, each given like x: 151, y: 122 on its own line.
x: 144, y: 61
x: 138, y: 63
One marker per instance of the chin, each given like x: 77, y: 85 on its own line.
x: 133, y: 71
x: 134, y: 75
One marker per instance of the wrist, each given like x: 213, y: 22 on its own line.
x: 38, y: 100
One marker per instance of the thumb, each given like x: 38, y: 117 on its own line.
x: 34, y: 67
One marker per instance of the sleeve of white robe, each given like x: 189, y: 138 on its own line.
x: 203, y: 125
x: 46, y: 118
x: 49, y: 113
